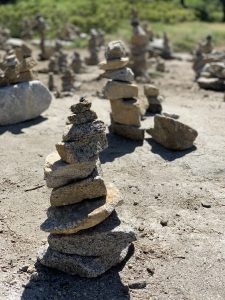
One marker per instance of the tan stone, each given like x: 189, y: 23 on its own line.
x: 126, y: 111
x: 73, y: 218
x: 120, y: 90
x: 58, y: 173
x: 113, y: 64
x: 151, y: 90
x: 89, y: 188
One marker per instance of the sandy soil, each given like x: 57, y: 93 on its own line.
x: 183, y: 260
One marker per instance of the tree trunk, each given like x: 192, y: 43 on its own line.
x: 182, y: 2
x: 223, y: 4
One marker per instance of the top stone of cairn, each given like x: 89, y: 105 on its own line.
x: 115, y: 50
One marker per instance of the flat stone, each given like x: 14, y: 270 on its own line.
x: 120, y: 90
x: 82, y: 106
x: 172, y: 134
x: 126, y: 111
x: 23, y: 101
x: 115, y: 50
x: 155, y: 105
x: 216, y: 69
x: 114, y: 64
x: 83, y: 131
x: 108, y: 237
x: 73, y: 218
x: 151, y: 90
x: 89, y: 188
x: 215, y: 84
x: 84, y: 266
x: 81, y: 118
x: 124, y: 74
x: 58, y: 173
x: 127, y: 131
x: 84, y: 150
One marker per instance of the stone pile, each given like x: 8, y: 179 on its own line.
x: 76, y: 63
x: 86, y: 236
x: 167, y: 51
x: 154, y: 99
x: 139, y: 50
x: 212, y: 76
x: 69, y: 84
x: 93, y: 47
x: 172, y: 134
x: 122, y: 93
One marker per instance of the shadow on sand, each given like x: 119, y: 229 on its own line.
x: 166, y: 154
x: 51, y: 284
x: 18, y: 128
x: 117, y: 147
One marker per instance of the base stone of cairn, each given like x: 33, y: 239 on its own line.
x: 154, y: 99
x: 23, y: 101
x: 86, y: 236
x: 213, y: 77
x: 172, y: 134
x: 126, y: 110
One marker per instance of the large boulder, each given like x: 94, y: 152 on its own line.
x: 172, y: 134
x: 23, y: 101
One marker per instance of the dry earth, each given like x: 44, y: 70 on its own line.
x: 183, y: 260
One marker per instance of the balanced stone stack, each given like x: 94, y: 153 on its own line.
x: 154, y: 99
x: 126, y: 114
x: 86, y: 236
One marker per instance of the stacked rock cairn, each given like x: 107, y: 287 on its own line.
x: 86, y: 236
x: 126, y: 113
x: 154, y: 99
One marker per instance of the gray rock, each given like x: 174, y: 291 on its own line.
x: 58, y: 173
x: 84, y: 150
x: 80, y: 107
x: 84, y: 266
x: 115, y: 50
x: 172, y: 134
x: 73, y: 218
x: 155, y: 106
x: 81, y: 118
x: 106, y: 238
x: 124, y: 74
x: 83, y: 131
x: 216, y: 69
x: 215, y: 84
x: 89, y: 188
x: 23, y: 101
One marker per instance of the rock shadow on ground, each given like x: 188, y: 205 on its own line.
x: 51, y: 284
x: 118, y: 146
x: 18, y: 127
x: 166, y: 154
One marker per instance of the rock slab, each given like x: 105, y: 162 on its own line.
x: 23, y: 101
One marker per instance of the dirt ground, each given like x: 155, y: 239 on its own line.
x: 183, y: 190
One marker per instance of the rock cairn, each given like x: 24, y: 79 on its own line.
x: 76, y: 63
x: 172, y: 134
x: 126, y: 114
x: 86, y: 236
x: 154, y: 99
x: 167, y: 51
x: 93, y: 47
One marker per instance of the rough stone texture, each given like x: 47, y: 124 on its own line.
x: 120, y: 90
x: 151, y: 90
x: 124, y: 74
x: 172, y: 134
x: 81, y: 118
x: 73, y: 218
x: 58, y: 173
x: 83, y: 266
x: 84, y: 150
x: 214, y: 84
x: 114, y: 64
x: 106, y: 238
x: 130, y: 132
x: 126, y: 111
x: 83, y: 131
x: 89, y: 188
x: 216, y: 69
x: 23, y: 101
x: 155, y: 105
x: 81, y: 106
x: 115, y: 50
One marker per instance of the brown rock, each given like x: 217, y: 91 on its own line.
x: 81, y: 118
x: 127, y: 131
x: 126, y: 111
x: 89, y: 188
x: 114, y: 64
x: 80, y: 216
x: 151, y: 90
x: 120, y: 90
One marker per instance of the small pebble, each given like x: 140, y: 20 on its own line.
x: 206, y: 205
x: 138, y: 284
x: 164, y: 223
